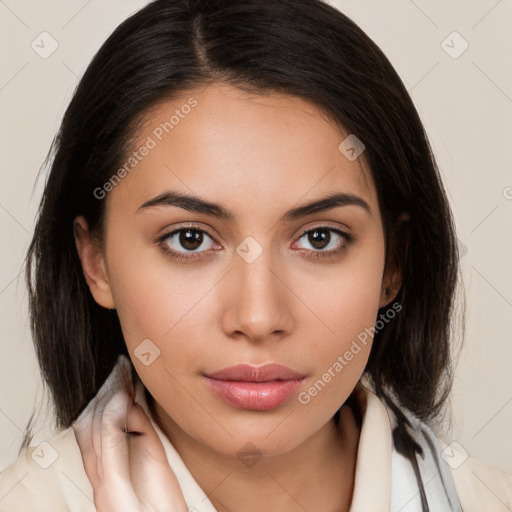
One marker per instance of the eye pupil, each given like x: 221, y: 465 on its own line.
x: 318, y: 238
x: 190, y: 238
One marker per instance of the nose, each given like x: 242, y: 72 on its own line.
x: 259, y: 301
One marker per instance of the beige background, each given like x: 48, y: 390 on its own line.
x: 466, y: 107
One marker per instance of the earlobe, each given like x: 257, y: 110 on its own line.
x: 391, y: 283
x: 389, y: 293
x: 392, y: 279
x: 93, y: 264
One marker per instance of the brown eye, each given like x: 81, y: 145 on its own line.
x: 325, y: 239
x: 319, y: 238
x: 186, y: 242
x: 190, y: 239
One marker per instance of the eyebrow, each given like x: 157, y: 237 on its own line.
x: 198, y: 205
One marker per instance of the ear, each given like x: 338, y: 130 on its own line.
x: 398, y: 244
x: 93, y: 264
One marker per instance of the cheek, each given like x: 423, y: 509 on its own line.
x: 346, y: 306
x: 159, y: 308
x: 167, y: 304
x: 357, y: 303
x: 151, y: 293
x: 346, y: 297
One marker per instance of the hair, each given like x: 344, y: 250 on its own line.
x: 304, y: 48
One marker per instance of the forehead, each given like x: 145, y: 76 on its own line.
x: 246, y: 150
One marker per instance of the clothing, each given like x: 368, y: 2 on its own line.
x: 52, y: 478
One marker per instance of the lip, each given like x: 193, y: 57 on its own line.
x: 255, y: 388
x: 252, y: 373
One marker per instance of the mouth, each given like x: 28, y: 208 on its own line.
x: 256, y: 388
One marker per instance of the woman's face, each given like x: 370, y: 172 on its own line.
x: 248, y: 280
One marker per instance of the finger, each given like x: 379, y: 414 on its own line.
x: 116, y: 487
x: 82, y: 428
x: 113, y: 397
x: 99, y: 406
x: 104, y: 445
x: 153, y: 479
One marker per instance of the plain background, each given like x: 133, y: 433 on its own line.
x: 466, y: 107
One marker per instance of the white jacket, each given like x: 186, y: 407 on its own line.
x: 51, y: 477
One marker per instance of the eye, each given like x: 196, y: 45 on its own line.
x: 325, y: 240
x: 188, y: 239
x: 191, y: 242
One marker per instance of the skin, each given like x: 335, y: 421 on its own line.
x: 257, y: 156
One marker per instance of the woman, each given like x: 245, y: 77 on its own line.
x: 242, y: 277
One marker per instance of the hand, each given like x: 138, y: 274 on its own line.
x: 129, y: 472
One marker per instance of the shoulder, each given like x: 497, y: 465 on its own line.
x: 49, y: 477
x: 478, y: 486
x: 481, y: 487
x: 445, y: 467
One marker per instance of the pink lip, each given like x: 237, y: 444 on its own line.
x: 256, y: 388
x: 250, y: 373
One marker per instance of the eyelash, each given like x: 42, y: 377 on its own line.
x: 315, y: 253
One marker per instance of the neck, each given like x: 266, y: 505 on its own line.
x: 316, y: 475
